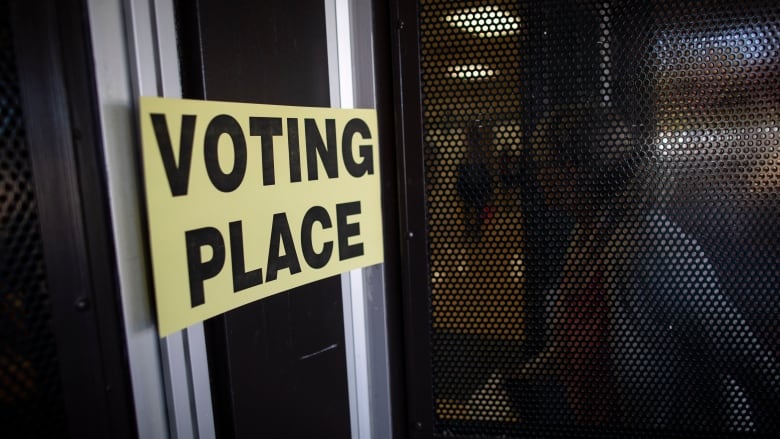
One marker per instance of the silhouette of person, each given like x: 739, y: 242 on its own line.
x: 641, y: 335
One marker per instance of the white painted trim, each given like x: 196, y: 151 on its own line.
x: 344, y: 45
x: 333, y: 53
x: 348, y: 25
x: 115, y: 104
x: 340, y: 72
x: 135, y: 54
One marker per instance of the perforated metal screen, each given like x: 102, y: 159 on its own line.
x: 31, y: 404
x: 603, y: 203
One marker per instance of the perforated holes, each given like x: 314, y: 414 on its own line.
x: 624, y: 155
x: 30, y: 397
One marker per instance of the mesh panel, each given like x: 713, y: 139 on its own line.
x: 30, y: 396
x: 603, y: 200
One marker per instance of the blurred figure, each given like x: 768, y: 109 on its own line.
x: 640, y: 335
x: 475, y: 177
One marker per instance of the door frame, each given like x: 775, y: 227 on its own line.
x: 413, y: 263
x: 52, y: 41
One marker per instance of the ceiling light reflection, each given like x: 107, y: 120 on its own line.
x: 485, y: 21
x: 471, y: 71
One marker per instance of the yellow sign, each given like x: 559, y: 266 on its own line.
x: 246, y: 200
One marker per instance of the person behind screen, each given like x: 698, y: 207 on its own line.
x: 640, y: 334
x: 475, y: 177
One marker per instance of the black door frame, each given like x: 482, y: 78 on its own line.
x: 386, y: 33
x: 57, y: 86
x: 260, y: 385
x: 385, y: 30
x: 413, y: 266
